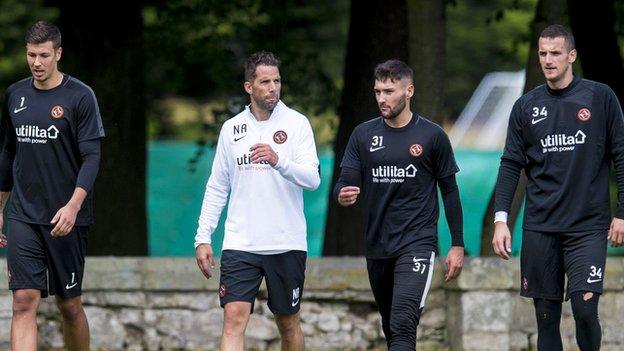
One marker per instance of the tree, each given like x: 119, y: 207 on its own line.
x: 105, y: 51
x: 546, y: 12
x: 593, y: 26
x: 427, y: 28
x: 377, y: 32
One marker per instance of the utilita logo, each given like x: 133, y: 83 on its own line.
x: 562, y: 142
x: 35, y: 135
x: 246, y: 160
x: 393, y: 174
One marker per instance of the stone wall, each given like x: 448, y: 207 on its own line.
x: 165, y: 303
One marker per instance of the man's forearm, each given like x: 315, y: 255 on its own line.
x: 4, y: 198
x: 77, y: 198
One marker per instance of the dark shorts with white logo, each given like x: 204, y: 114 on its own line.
x: 37, y: 260
x: 400, y: 286
x: 242, y: 273
x: 547, y: 257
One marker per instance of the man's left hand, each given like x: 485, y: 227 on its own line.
x: 454, y: 263
x: 263, y: 153
x: 616, y: 232
x: 64, y: 220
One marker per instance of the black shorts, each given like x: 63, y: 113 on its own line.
x: 547, y: 257
x: 37, y: 260
x: 242, y: 273
x: 400, y: 286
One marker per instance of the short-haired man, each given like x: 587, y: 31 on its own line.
x: 564, y: 134
x: 399, y: 159
x: 265, y: 157
x: 50, y: 160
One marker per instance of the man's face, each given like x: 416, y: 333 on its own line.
x: 42, y: 60
x: 265, y: 88
x: 393, y: 96
x: 555, y: 59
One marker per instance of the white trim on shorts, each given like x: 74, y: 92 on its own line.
x: 429, y: 279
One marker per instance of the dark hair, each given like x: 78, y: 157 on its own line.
x: 393, y: 69
x: 558, y: 31
x: 42, y: 32
x: 265, y: 58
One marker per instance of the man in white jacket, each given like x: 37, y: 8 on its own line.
x: 265, y: 157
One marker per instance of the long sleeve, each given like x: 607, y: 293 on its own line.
x: 90, y: 152
x: 511, y: 164
x: 453, y: 209
x: 303, y: 170
x: 8, y: 151
x: 215, y: 197
x: 616, y: 142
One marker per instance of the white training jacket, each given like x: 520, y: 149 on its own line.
x: 265, y: 209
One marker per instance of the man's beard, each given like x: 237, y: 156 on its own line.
x: 394, y: 112
x: 267, y: 106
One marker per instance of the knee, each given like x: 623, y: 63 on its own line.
x: 235, y: 318
x: 25, y: 302
x: 547, y: 313
x: 585, y: 306
x: 71, y: 308
x: 288, y: 325
x: 405, y: 322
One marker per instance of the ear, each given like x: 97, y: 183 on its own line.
x: 572, y: 56
x: 58, y: 53
x: 410, y: 90
x: 248, y: 87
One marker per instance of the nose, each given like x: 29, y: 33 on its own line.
x: 37, y: 61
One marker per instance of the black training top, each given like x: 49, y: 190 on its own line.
x: 43, y: 129
x: 565, y: 141
x: 399, y: 171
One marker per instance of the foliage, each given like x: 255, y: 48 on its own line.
x: 197, y: 49
x: 15, y: 17
x: 483, y: 36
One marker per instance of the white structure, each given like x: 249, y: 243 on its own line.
x: 482, y: 124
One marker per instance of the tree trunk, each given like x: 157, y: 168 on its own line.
x: 593, y: 26
x: 547, y: 12
x: 377, y: 32
x: 104, y: 51
x: 426, y: 19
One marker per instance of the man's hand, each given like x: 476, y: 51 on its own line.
x: 454, y: 263
x: 348, y: 195
x: 3, y: 239
x: 263, y: 153
x: 205, y: 259
x: 64, y: 219
x: 502, y: 240
x: 616, y: 232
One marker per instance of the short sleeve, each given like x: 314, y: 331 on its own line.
x: 88, y: 120
x: 445, y: 164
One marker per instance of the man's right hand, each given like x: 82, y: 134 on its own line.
x: 502, y: 240
x: 205, y: 259
x: 3, y: 239
x: 348, y: 195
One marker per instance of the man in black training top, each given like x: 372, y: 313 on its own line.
x: 52, y: 128
x: 564, y: 135
x: 398, y: 159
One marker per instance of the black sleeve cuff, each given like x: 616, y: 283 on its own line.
x: 619, y: 211
x: 348, y: 177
